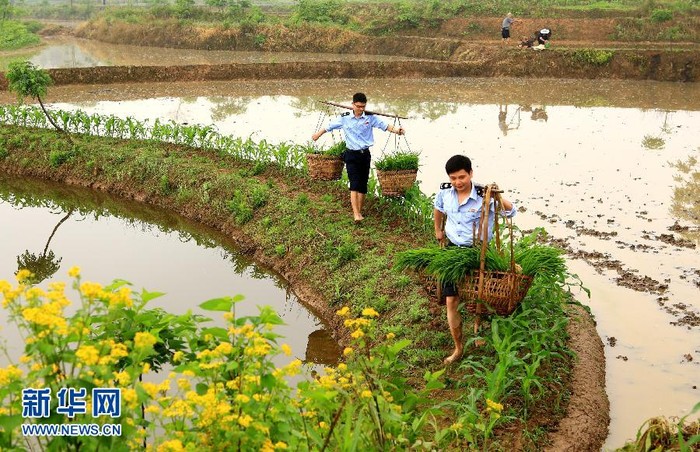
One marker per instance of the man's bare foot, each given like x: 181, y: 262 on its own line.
x: 454, y: 357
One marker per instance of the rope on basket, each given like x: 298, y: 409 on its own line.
x: 397, y: 138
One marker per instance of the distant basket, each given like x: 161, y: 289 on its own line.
x: 396, y: 183
x: 324, y: 167
x: 501, y: 292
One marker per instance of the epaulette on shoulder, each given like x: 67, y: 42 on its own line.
x: 345, y: 114
x: 480, y: 189
x: 445, y: 185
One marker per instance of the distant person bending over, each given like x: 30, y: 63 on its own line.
x: 543, y: 36
x: 505, y: 27
x: 462, y: 203
x: 359, y: 137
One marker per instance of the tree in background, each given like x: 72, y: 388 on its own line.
x: 26, y: 80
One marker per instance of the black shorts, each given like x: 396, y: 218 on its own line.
x: 357, y: 164
x: 449, y: 290
x: 505, y: 33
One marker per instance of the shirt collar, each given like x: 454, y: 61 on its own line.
x: 472, y: 194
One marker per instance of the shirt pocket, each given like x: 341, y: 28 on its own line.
x: 464, y: 218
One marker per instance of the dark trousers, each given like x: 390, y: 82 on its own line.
x: 357, y: 164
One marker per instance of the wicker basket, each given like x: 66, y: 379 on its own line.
x: 501, y: 293
x: 324, y: 167
x: 395, y: 183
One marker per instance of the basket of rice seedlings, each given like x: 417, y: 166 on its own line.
x: 397, y: 172
x: 325, y: 164
x: 489, y: 280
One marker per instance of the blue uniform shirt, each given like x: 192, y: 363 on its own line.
x: 357, y: 131
x: 463, y: 219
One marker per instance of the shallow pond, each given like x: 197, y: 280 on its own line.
x: 71, y: 52
x: 594, y: 162
x: 56, y: 227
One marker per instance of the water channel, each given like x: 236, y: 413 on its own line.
x: 594, y: 162
x: 49, y: 228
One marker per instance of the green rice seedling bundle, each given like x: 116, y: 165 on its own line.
x: 451, y: 264
x: 416, y: 259
x: 541, y: 260
x: 336, y: 150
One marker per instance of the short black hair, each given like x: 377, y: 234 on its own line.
x: 458, y: 162
x: 359, y: 97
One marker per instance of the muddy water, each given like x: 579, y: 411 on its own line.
x: 70, y: 52
x: 578, y: 157
x: 109, y: 238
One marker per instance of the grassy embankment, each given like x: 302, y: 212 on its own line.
x: 302, y: 229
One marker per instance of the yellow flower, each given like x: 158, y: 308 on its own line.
x: 390, y: 336
x: 74, y: 271
x: 456, y: 426
x: 123, y: 378
x: 280, y: 445
x: 286, y: 349
x: 493, y: 406
x: 118, y: 351
x: 343, y: 312
x: 23, y: 275
x: 88, y: 355
x: 323, y: 424
x: 245, y: 420
x: 91, y: 289
x: 366, y: 394
x: 242, y: 398
x: 174, y: 445
x: 177, y: 356
x: 184, y: 384
x: 347, y: 351
x: 144, y: 340
x: 9, y: 374
x: 369, y: 312
x: 357, y: 334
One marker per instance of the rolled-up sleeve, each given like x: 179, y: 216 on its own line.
x: 511, y: 213
x: 335, y: 124
x: 378, y: 123
x: 439, y: 202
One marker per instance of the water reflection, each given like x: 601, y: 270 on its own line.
x: 46, y: 264
x: 686, y: 196
x: 111, y: 238
x: 506, y: 124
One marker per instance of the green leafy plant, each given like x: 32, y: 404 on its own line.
x: 661, y: 15
x: 397, y: 161
x: 334, y: 151
x: 596, y: 57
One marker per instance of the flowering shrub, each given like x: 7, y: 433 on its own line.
x: 223, y: 391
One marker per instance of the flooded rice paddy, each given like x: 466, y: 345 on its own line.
x: 594, y: 162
